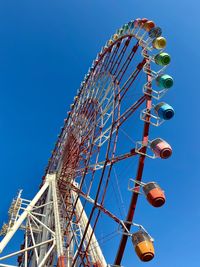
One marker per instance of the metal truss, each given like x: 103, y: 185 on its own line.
x: 59, y: 223
x: 43, y: 222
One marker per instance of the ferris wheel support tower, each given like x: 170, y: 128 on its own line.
x: 36, y: 214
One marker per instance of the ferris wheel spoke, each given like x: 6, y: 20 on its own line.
x: 102, y: 86
x: 82, y: 179
x: 125, y: 87
x: 90, y: 200
x: 104, y: 136
x: 96, y: 198
x: 114, y: 54
x: 122, y: 71
x: 123, y: 117
x: 123, y: 52
x: 118, y: 60
x: 105, y: 61
x: 99, y: 165
x: 104, y: 190
x: 88, y: 156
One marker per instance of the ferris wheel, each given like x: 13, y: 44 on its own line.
x: 83, y: 200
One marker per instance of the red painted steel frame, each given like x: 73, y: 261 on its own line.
x: 134, y: 198
x: 111, y: 64
x: 139, y: 67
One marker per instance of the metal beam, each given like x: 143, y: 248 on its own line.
x: 22, y: 217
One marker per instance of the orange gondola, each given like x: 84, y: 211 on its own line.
x: 154, y: 194
x: 143, y: 246
x: 149, y: 25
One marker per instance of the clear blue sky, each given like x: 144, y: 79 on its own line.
x: 46, y: 47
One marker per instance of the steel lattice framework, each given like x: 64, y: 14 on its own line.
x: 60, y: 222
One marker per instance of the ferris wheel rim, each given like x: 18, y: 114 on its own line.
x: 108, y: 50
x: 100, y: 57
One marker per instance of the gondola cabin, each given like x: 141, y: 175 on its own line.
x: 161, y: 148
x: 154, y: 194
x: 143, y: 246
x: 164, y: 111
